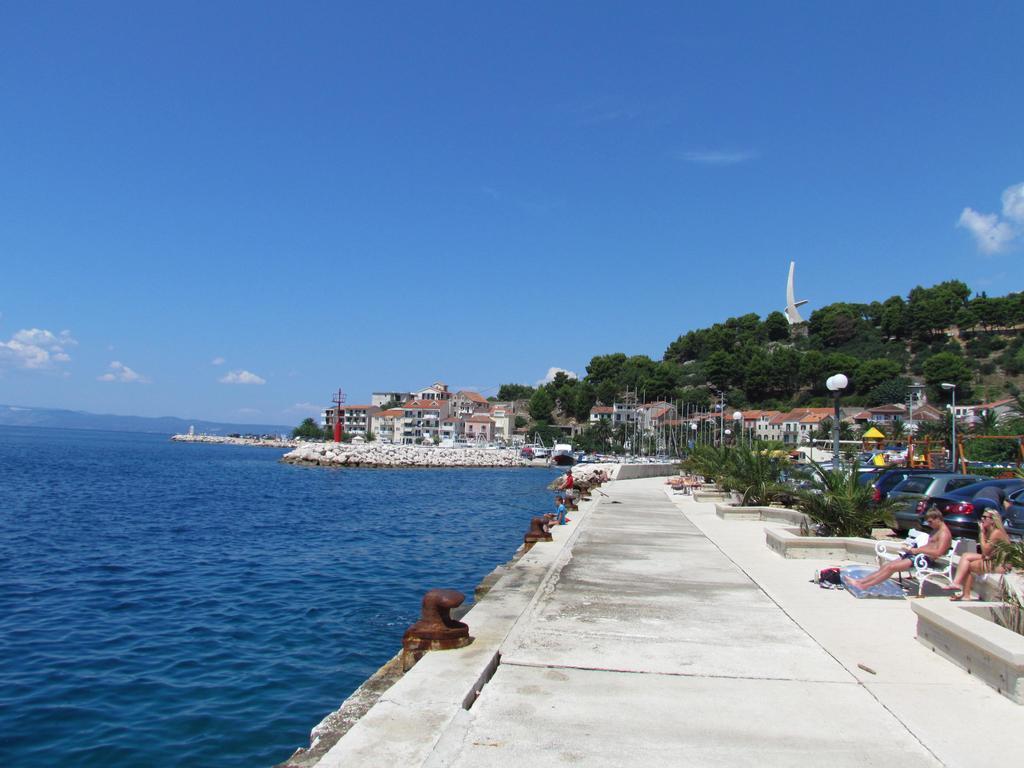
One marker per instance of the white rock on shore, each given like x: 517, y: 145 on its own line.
x: 379, y: 455
x: 223, y: 440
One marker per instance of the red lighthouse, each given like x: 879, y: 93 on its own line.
x: 338, y: 399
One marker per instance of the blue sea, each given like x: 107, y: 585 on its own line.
x: 185, y: 605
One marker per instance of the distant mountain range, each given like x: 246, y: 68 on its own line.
x: 19, y: 416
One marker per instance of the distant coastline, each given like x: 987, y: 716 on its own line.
x: 58, y: 418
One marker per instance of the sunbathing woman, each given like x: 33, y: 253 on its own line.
x: 980, y: 562
x: 937, y: 546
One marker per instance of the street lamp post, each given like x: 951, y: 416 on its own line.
x: 951, y: 388
x: 836, y: 384
x: 737, y: 417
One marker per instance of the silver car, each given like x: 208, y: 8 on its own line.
x: 917, y: 487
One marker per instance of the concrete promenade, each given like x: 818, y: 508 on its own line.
x: 653, y: 633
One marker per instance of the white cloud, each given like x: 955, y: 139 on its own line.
x: 217, y: 360
x: 121, y: 372
x: 994, y: 233
x: 717, y: 156
x: 551, y: 375
x: 1013, y: 202
x: 242, y: 377
x: 35, y: 348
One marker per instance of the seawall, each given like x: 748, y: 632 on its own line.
x: 409, y: 711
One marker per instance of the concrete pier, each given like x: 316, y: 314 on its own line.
x: 652, y: 632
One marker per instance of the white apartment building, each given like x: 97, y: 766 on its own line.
x: 388, y: 425
x: 422, y: 420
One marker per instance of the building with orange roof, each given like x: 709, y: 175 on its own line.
x: 387, y: 425
x: 504, y: 417
x: 355, y: 419
x: 480, y: 428
x: 466, y: 402
x: 422, y: 420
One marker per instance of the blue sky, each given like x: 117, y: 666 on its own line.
x: 375, y: 196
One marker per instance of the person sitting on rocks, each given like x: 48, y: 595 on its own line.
x: 992, y: 531
x: 938, y: 545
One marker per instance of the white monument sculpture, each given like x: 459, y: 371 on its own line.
x: 791, y: 304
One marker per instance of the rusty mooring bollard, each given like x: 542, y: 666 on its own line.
x: 436, y: 630
x: 536, y: 533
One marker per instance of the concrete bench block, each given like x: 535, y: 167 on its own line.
x: 968, y: 636
x: 767, y: 514
x: 788, y: 543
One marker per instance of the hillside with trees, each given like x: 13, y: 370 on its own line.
x: 933, y: 335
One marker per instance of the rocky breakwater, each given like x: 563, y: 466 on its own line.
x: 223, y: 440
x: 374, y: 455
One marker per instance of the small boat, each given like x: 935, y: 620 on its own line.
x: 562, y: 455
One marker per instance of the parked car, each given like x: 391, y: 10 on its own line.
x: 918, y: 486
x: 1013, y: 518
x: 884, y: 480
x: 962, y: 508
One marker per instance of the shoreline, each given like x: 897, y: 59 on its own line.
x: 376, y: 455
x: 255, y: 442
x: 336, y: 724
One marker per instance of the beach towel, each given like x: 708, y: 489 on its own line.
x: 887, y: 590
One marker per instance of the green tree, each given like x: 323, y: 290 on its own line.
x: 891, y: 391
x: 541, y: 405
x: 893, y: 320
x: 607, y: 392
x: 719, y: 369
x: 843, y: 506
x: 814, y: 371
x: 604, y: 368
x: 776, y: 327
x: 948, y: 367
x: 509, y: 392
x: 308, y: 430
x: 836, y: 324
x: 871, y: 373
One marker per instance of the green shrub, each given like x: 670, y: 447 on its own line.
x: 841, y: 506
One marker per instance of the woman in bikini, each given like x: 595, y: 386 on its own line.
x: 992, y: 530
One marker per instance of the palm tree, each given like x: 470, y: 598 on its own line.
x: 841, y: 505
x: 754, y: 471
x: 897, y: 430
x: 988, y: 424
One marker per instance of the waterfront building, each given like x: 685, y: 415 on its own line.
x: 480, y: 428
x: 504, y: 417
x: 466, y: 402
x: 652, y: 416
x: 383, y: 398
x: 388, y: 425
x: 422, y: 419
x: 884, y: 416
x: 601, y: 413
x: 453, y: 429
x: 623, y: 413
x: 436, y: 391
x: 796, y: 426
x: 972, y: 414
x: 355, y: 419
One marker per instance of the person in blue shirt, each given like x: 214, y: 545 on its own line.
x: 560, y: 509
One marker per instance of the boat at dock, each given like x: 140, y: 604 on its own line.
x: 562, y: 455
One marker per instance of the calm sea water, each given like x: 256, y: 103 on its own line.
x: 165, y: 604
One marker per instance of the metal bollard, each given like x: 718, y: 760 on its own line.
x: 436, y: 630
x: 536, y: 533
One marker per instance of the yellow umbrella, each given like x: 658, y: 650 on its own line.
x: 872, y: 434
